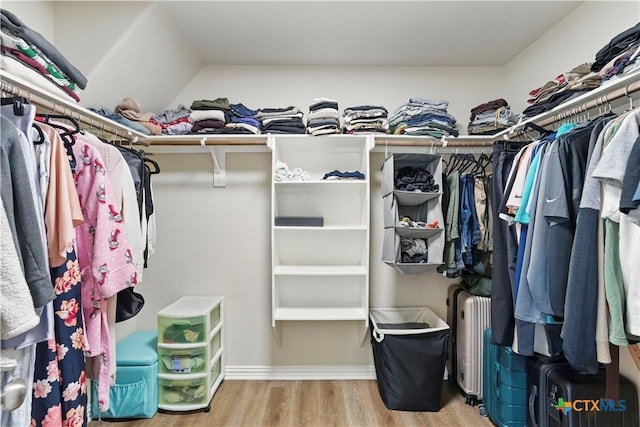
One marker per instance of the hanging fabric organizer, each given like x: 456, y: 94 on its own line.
x: 413, y: 222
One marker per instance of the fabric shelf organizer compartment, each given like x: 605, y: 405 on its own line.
x: 135, y: 392
x: 413, y: 221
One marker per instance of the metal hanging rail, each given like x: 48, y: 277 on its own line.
x: 50, y: 103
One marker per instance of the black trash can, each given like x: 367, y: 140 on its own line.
x: 409, y: 352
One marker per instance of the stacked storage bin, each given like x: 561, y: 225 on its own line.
x: 190, y: 353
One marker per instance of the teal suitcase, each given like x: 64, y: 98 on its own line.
x: 505, y: 384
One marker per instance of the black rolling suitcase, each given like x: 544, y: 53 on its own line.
x: 561, y: 397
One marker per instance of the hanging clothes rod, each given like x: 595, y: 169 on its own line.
x: 597, y: 98
x: 49, y: 102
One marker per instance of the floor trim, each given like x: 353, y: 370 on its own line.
x: 303, y: 372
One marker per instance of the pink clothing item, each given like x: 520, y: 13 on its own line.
x: 62, y: 208
x: 103, y: 255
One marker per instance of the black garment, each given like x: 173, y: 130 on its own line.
x: 412, y: 179
x: 573, y: 148
x: 505, y: 250
x: 631, y: 179
x: 581, y: 299
x: 617, y: 45
x: 222, y: 131
x: 553, y: 101
x: 323, y: 104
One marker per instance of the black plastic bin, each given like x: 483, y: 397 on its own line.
x: 409, y: 352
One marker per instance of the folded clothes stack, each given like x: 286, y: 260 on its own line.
x: 491, y: 117
x: 324, y: 117
x: 130, y: 109
x: 620, y: 56
x: 28, y: 55
x: 174, y: 121
x: 282, y: 120
x: 423, y: 116
x: 366, y: 119
x: 563, y: 87
x: 209, y: 115
x: 243, y: 119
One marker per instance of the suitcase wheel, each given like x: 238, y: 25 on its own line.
x: 483, y: 411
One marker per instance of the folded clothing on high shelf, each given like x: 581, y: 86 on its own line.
x: 174, y: 121
x: 618, y: 44
x: 324, y: 117
x: 111, y: 115
x: 366, y: 119
x: 130, y: 108
x: 25, y: 48
x: 491, y: 117
x: 423, y: 116
x: 282, y: 120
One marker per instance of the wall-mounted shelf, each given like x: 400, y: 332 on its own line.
x: 321, y: 273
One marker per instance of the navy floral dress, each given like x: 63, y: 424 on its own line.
x: 60, y: 383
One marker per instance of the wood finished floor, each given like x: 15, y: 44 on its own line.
x: 312, y: 404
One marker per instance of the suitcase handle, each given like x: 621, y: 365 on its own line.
x: 532, y: 409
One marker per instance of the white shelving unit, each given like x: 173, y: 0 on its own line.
x: 321, y: 272
x: 191, y: 357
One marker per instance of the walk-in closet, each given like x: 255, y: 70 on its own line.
x: 206, y: 205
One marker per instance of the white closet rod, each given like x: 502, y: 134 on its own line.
x: 53, y: 104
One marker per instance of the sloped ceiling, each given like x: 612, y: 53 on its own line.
x: 410, y: 33
x: 154, y: 48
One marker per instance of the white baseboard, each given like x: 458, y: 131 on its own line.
x: 302, y: 372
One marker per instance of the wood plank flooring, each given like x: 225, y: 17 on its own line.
x: 310, y: 404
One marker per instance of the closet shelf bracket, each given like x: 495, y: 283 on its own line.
x: 218, y: 155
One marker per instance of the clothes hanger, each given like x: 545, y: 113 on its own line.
x: 156, y: 169
x: 40, y: 139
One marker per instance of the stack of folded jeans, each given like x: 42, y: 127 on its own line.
x: 243, y: 119
x: 282, y: 120
x: 209, y: 116
x: 491, y: 117
x: 423, y: 116
x: 324, y: 117
x: 366, y: 119
x: 28, y: 55
x: 173, y: 121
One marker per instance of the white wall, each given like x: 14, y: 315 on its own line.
x: 573, y: 41
x: 217, y: 240
x: 38, y: 15
x: 125, y: 49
